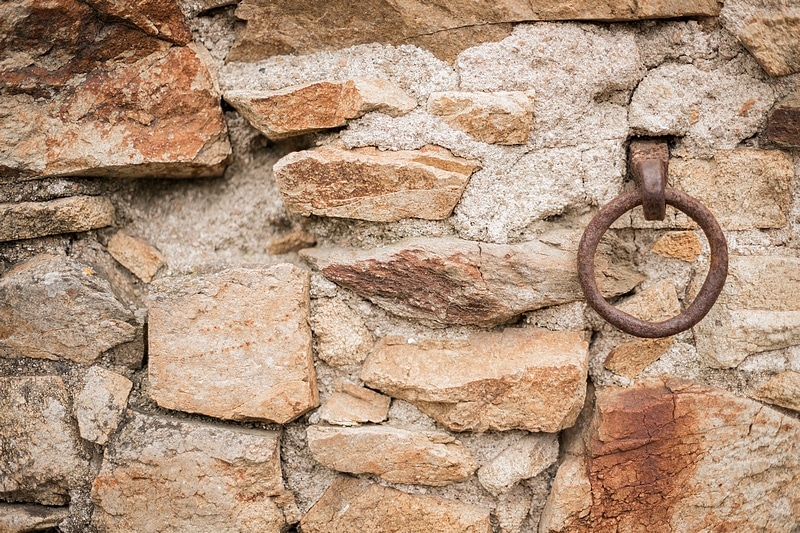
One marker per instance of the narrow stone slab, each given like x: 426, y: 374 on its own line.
x: 528, y: 378
x: 783, y: 123
x: 137, y: 255
x: 453, y: 281
x: 317, y: 106
x: 670, y: 453
x: 368, y: 184
x: 394, y: 454
x: 16, y: 518
x: 782, y: 390
x: 161, y: 473
x: 233, y: 345
x: 524, y: 459
x: 100, y: 403
x: 28, y: 220
x: 378, y: 509
x: 351, y: 405
x: 497, y: 117
x: 163, y: 18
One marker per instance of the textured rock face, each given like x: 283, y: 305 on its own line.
x: 683, y: 245
x: 233, y: 345
x: 394, y: 454
x: 160, y: 18
x: 84, y: 318
x: 81, y: 97
x: 350, y: 405
x: 453, y: 281
x: 162, y: 474
x: 19, y: 518
x: 514, y: 379
x: 291, y: 242
x: 28, y: 220
x: 783, y: 390
x: 100, y: 404
x: 43, y: 458
x: 137, y: 255
x: 378, y: 509
x: 522, y: 460
x: 499, y: 117
x: 679, y: 456
x: 342, y: 338
x: 783, y: 123
x: 317, y: 106
x: 371, y: 185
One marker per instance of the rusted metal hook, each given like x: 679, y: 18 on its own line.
x: 649, y: 164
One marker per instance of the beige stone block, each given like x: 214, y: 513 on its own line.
x: 524, y: 459
x: 233, y: 345
x: 28, y: 220
x: 527, y: 378
x: 137, y: 255
x: 782, y: 390
x: 101, y: 403
x: 683, y: 245
x: 291, y: 242
x: 341, y: 335
x: 497, y: 117
x: 16, y: 518
x: 351, y: 405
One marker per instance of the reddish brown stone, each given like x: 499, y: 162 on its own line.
x: 783, y: 124
x: 161, y: 18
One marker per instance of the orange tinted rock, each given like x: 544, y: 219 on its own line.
x: 161, y: 18
x: 291, y: 242
x: 683, y: 245
x: 350, y: 405
x: 137, y: 255
x: 498, y: 117
x: 28, y: 220
x: 783, y: 390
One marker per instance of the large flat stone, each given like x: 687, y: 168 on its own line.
x: 28, y: 220
x: 233, y: 345
x: 513, y: 379
x: 162, y: 474
x: 368, y: 184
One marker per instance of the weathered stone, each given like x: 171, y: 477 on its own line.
x: 160, y: 18
x: 783, y: 390
x: 757, y: 311
x: 317, y: 106
x: 683, y: 245
x: 82, y: 97
x: 394, y: 454
x: 100, y: 404
x: 28, y: 220
x: 671, y: 455
x: 137, y: 255
x: 22, y: 517
x: 351, y: 405
x: 454, y: 281
x: 83, y: 317
x: 378, y: 509
x: 513, y: 379
x: 367, y: 184
x: 342, y: 338
x: 783, y: 123
x: 43, y: 458
x: 163, y: 474
x: 522, y: 460
x: 769, y: 29
x: 275, y: 28
x: 234, y: 345
x: 291, y: 242
x: 498, y: 117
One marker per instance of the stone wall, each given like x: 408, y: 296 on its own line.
x: 311, y: 266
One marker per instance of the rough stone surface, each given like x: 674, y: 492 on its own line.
x: 453, y: 281
x: 757, y: 311
x: 393, y: 454
x: 291, y: 242
x: 678, y: 456
x: 783, y: 123
x: 234, y: 345
x: 342, y: 337
x: 101, y: 403
x: 84, y: 318
x: 137, y: 255
x: 512, y: 379
x: 769, y: 29
x: 351, y: 405
x: 317, y: 106
x: 160, y: 18
x: 28, y: 220
x: 43, y: 459
x: 162, y: 474
x: 783, y: 390
x: 369, y: 184
x: 498, y: 117
x: 378, y: 509
x: 524, y: 459
x: 23, y: 517
x: 82, y: 97
x: 683, y: 245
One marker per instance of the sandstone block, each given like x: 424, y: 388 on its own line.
x: 162, y: 474
x: 683, y: 245
x: 378, y: 509
x: 137, y: 255
x: 159, y: 18
x: 498, y: 117
x: 291, y: 242
x: 351, y: 405
x: 524, y: 459
x: 368, y: 184
x: 341, y: 335
x: 28, y: 220
x: 394, y: 454
x: 84, y: 318
x: 23, y: 517
x: 234, y: 345
x: 513, y: 379
x: 43, y: 458
x: 317, y: 106
x: 101, y: 403
x: 671, y: 455
x: 453, y: 281
x: 783, y: 390
x: 783, y: 123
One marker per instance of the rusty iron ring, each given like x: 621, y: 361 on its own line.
x: 712, y: 286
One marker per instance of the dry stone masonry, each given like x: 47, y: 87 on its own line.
x: 341, y: 292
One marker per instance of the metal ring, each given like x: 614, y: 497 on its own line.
x: 715, y: 280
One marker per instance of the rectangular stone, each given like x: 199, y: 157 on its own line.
x: 350, y: 405
x: 28, y: 220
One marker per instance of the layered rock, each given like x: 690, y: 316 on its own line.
x: 453, y: 281
x: 670, y: 455
x: 137, y: 255
x: 233, y: 345
x: 351, y: 405
x: 782, y: 389
x: 28, y: 220
x: 101, y: 403
x: 513, y: 379
x: 393, y: 454
x: 498, y: 117
x: 683, y: 245
x: 368, y: 184
x: 524, y: 459
x: 159, y: 18
x: 160, y: 473
x: 783, y: 123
